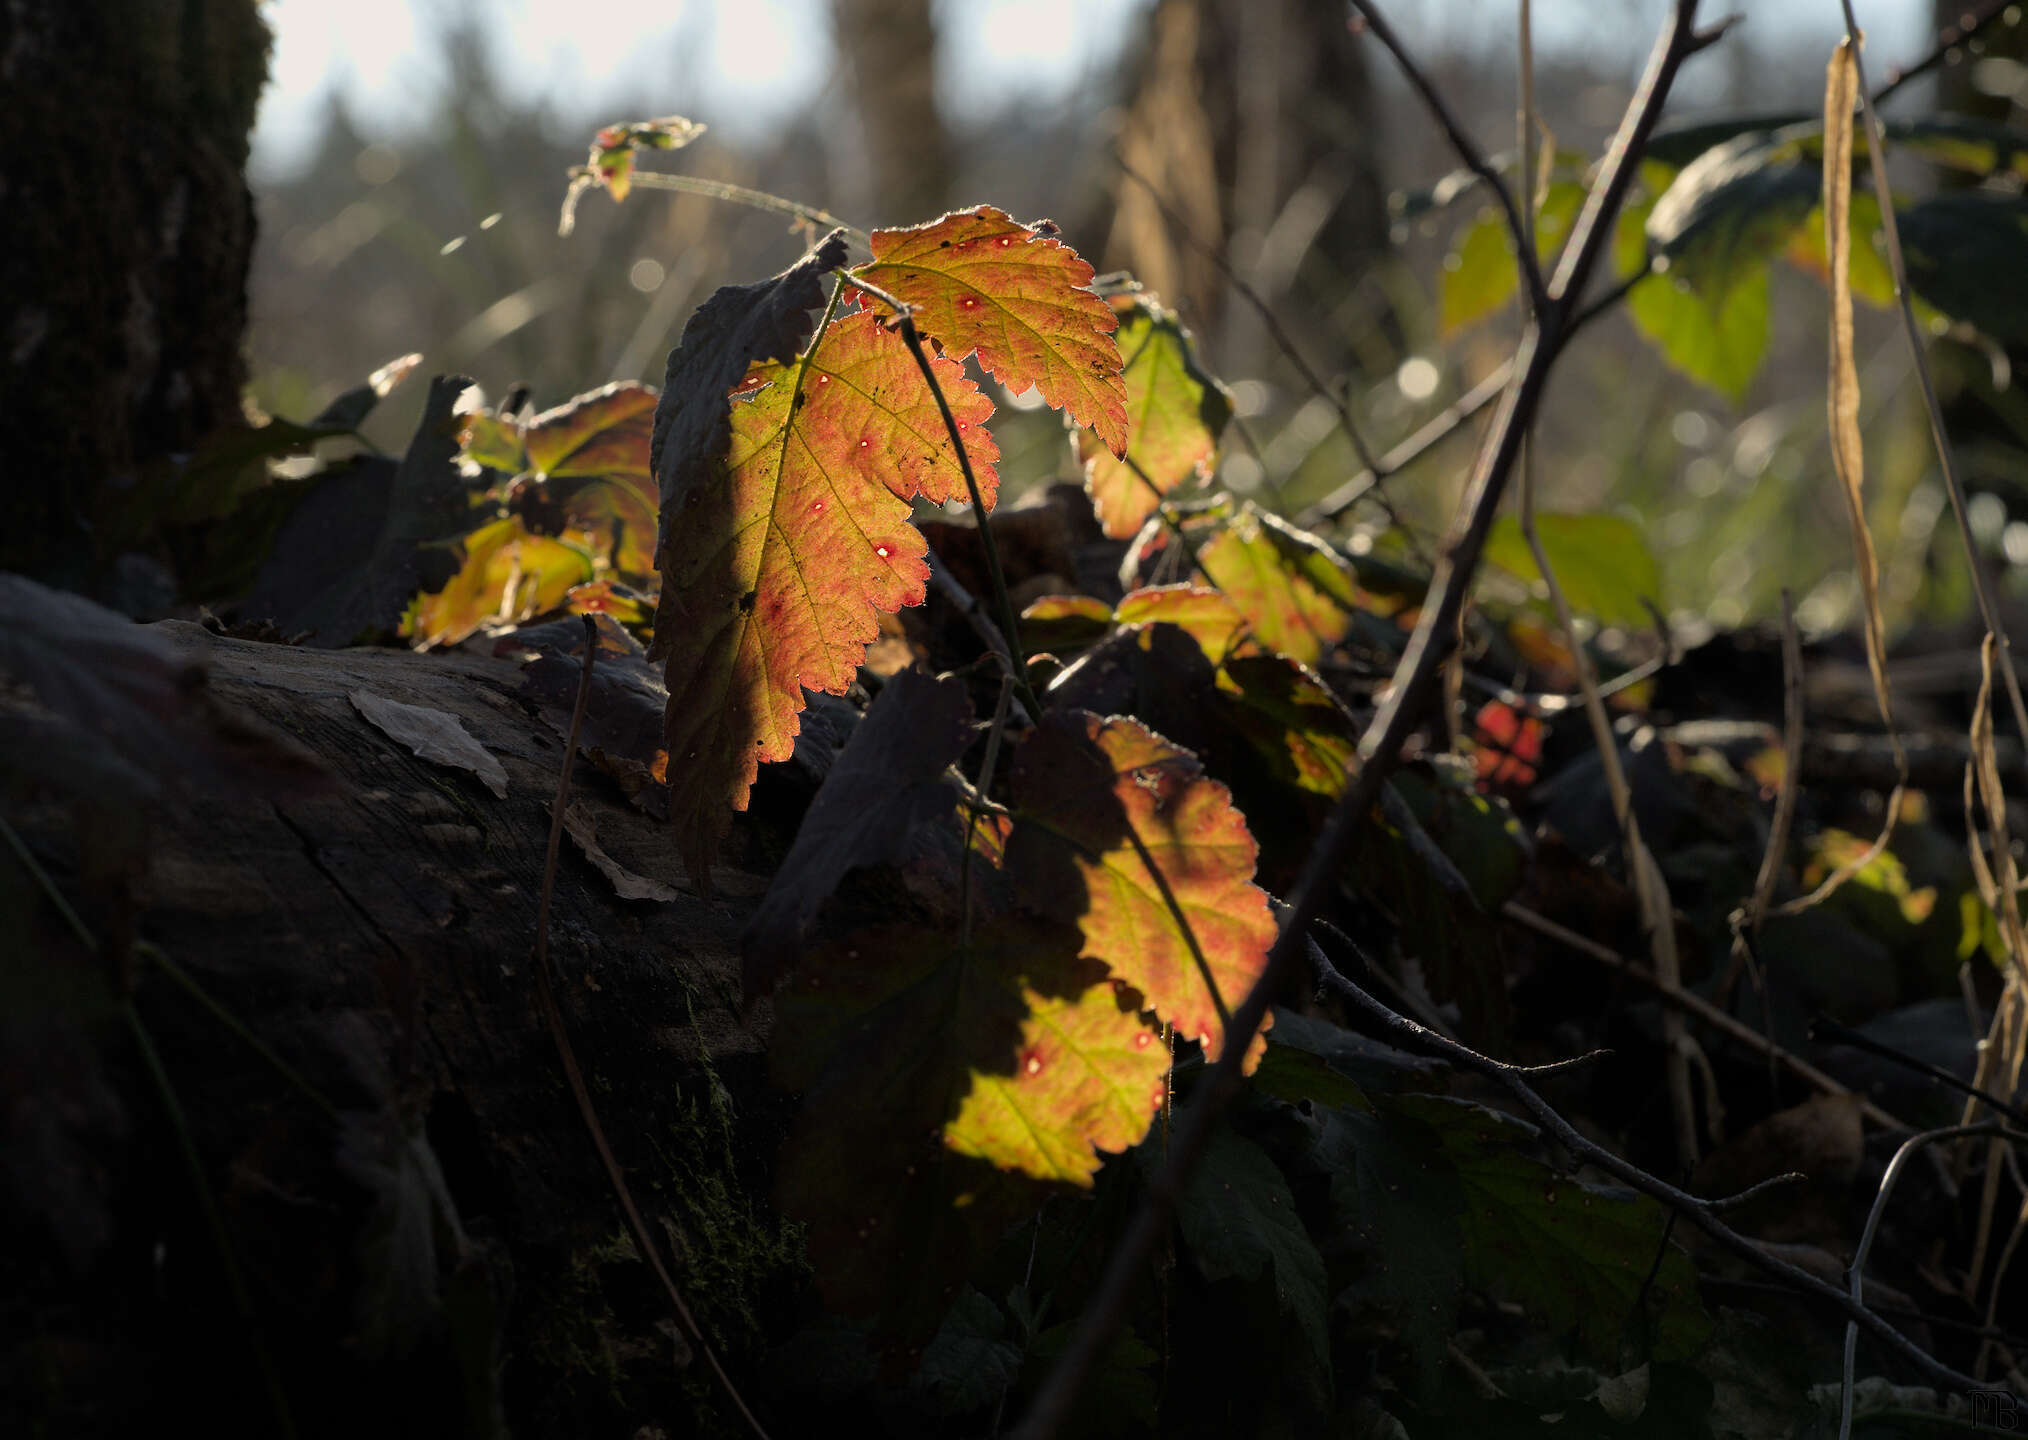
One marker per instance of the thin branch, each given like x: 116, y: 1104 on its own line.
x: 753, y: 199
x: 1381, y: 745
x: 1691, y: 1003
x: 1283, y: 342
x: 1949, y: 39
x: 1857, y: 1270
x: 1010, y: 624
x: 1441, y: 427
x: 952, y: 589
x: 1823, y: 1027
x: 1468, y: 151
x: 546, y: 992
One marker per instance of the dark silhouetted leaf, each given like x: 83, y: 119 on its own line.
x: 1238, y: 1221
x: 888, y: 782
x: 351, y: 558
x: 1964, y: 251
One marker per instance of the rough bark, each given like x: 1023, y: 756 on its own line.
x: 123, y: 262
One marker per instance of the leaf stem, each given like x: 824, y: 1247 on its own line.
x: 753, y: 199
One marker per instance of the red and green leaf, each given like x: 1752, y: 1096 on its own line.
x: 1175, y: 414
x: 1119, y: 830
x: 775, y: 569
x: 983, y: 283
x: 613, y: 149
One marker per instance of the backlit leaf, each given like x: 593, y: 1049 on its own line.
x: 1208, y: 616
x: 925, y: 1059
x: 1064, y: 624
x: 781, y: 551
x: 613, y: 148
x: 1482, y: 272
x: 1119, y: 830
x: 983, y: 283
x: 589, y: 457
x: 1297, y: 596
x: 1602, y: 562
x: 1175, y: 414
x: 507, y: 575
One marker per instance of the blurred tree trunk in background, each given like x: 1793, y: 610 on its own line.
x: 1254, y: 118
x: 889, y: 52
x: 123, y: 263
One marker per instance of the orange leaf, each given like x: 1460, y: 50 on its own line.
x: 507, y: 574
x: 984, y: 283
x: 777, y: 563
x: 1119, y: 830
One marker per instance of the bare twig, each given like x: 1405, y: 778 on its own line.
x: 1691, y: 1003
x: 753, y: 199
x: 1857, y: 1270
x: 1468, y: 151
x: 1381, y: 745
x: 546, y: 993
x: 1948, y: 42
x: 1454, y: 417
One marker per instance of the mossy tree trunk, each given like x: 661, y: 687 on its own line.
x: 123, y: 263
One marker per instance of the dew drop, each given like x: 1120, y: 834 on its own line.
x: 1005, y: 242
x: 882, y: 551
x: 970, y: 302
x: 865, y: 444
x: 823, y: 379
x: 1141, y: 1040
x: 817, y: 508
x: 1034, y: 1065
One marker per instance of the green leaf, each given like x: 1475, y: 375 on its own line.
x: 1482, y: 272
x: 1602, y: 562
x: 1397, y: 1199
x: 1964, y: 250
x: 1175, y: 415
x: 1292, y: 588
x: 1238, y: 1221
x: 1717, y: 342
x: 1575, y: 1254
